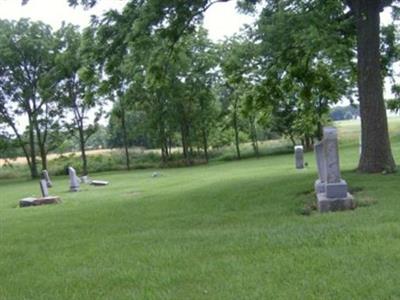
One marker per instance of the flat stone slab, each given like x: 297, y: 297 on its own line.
x: 31, y: 201
x: 99, y: 182
x: 326, y: 204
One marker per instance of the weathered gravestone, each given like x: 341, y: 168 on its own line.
x: 335, y: 195
x: 31, y: 201
x: 45, y: 175
x: 299, y: 157
x: 43, y: 188
x: 73, y: 180
x: 45, y: 199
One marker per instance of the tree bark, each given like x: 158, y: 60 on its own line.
x: 235, y: 127
x: 125, y: 137
x: 33, y: 166
x: 82, y: 143
x: 205, y: 144
x: 253, y: 135
x: 376, y: 154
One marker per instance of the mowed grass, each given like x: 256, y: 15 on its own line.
x: 225, y: 231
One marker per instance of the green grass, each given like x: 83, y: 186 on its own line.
x: 231, y: 230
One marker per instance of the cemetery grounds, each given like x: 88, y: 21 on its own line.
x: 230, y: 230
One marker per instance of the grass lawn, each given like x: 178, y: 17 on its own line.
x: 224, y: 231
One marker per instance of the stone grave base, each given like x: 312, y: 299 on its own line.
x: 98, y: 182
x: 319, y: 186
x: 336, y: 189
x: 39, y: 201
x: 326, y: 204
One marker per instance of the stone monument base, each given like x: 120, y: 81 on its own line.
x: 336, y: 190
x: 39, y: 201
x: 326, y: 204
x: 319, y: 186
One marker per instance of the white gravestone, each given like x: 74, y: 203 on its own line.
x: 299, y: 157
x: 73, y: 180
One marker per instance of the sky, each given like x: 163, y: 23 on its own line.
x: 220, y: 20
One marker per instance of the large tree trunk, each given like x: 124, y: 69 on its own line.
x: 376, y: 154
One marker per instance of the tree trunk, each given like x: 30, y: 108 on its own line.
x: 253, y: 134
x: 292, y: 140
x: 183, y: 140
x: 205, y: 144
x: 376, y: 154
x: 125, y: 137
x: 235, y: 127
x: 83, y: 151
x: 33, y: 166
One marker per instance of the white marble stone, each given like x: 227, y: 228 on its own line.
x: 299, y: 156
x: 73, y: 180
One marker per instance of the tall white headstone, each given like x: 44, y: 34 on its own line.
x: 299, y: 156
x: 73, y: 180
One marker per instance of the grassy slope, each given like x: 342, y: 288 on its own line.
x: 224, y: 231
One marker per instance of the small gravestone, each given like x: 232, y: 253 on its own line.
x: 45, y: 175
x: 99, y: 182
x: 85, y: 179
x: 299, y: 157
x: 43, y: 188
x: 335, y: 195
x: 45, y: 199
x: 73, y: 180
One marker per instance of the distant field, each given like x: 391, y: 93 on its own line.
x: 351, y: 129
x: 349, y: 132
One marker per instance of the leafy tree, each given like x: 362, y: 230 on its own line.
x: 173, y: 17
x: 27, y: 81
x: 77, y: 87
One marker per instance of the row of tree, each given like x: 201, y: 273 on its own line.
x: 155, y: 62
x: 47, y: 83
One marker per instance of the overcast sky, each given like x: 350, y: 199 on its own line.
x: 220, y: 20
